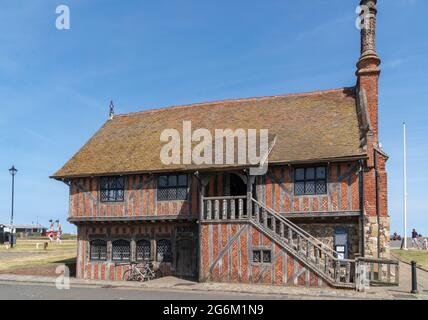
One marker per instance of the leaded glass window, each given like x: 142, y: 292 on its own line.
x: 98, y: 250
x: 267, y: 256
x: 256, y: 256
x: 121, y: 250
x: 262, y: 256
x: 172, y: 187
x: 310, y: 181
x: 143, y: 250
x: 112, y: 189
x: 163, y: 251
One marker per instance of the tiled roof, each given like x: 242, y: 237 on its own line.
x: 314, y: 126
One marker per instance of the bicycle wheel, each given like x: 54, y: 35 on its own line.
x: 154, y: 274
x: 128, y: 275
x: 158, y: 274
x: 150, y: 275
x: 131, y: 275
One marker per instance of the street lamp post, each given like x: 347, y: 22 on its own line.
x: 13, y: 172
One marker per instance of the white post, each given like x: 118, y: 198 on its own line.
x: 405, y: 187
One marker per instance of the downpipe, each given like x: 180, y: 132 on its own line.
x: 377, y: 201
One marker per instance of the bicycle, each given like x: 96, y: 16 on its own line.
x: 141, y: 272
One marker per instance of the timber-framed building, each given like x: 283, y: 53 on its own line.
x: 321, y: 205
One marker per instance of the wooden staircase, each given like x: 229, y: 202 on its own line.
x: 311, y: 252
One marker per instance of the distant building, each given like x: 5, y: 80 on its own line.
x: 21, y: 230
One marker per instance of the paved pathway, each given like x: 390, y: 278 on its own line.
x: 190, y: 290
x: 402, y: 292
x: 22, y: 291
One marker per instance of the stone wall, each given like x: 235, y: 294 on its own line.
x: 325, y: 232
x: 374, y: 232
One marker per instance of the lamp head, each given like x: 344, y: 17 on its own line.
x: 13, y: 170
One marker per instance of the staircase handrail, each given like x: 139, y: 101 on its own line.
x: 332, y: 253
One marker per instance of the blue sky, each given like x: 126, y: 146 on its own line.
x: 55, y: 86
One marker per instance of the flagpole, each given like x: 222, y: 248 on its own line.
x: 405, y: 186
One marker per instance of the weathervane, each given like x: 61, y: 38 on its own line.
x: 111, y: 110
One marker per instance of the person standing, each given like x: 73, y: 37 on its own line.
x: 415, y: 237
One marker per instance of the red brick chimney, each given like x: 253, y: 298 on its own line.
x: 375, y: 221
x: 368, y: 65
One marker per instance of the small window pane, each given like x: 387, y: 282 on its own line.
x: 172, y: 194
x: 266, y: 256
x: 257, y: 256
x: 310, y: 174
x: 163, y: 181
x: 181, y: 193
x: 162, y: 194
x: 182, y: 180
x: 321, y: 173
x: 321, y: 187
x: 310, y: 187
x: 300, y: 174
x: 104, y: 195
x: 120, y: 183
x: 172, y: 181
x: 111, y: 183
x: 299, y: 188
x: 119, y: 195
x: 104, y: 183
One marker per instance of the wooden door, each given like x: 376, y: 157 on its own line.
x: 186, y: 258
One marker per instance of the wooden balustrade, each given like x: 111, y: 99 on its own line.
x: 224, y: 208
x: 381, y: 271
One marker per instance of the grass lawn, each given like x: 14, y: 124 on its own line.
x: 26, y: 255
x: 420, y: 256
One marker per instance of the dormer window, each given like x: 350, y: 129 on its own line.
x: 112, y: 189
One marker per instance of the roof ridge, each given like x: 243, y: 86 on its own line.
x: 217, y: 102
